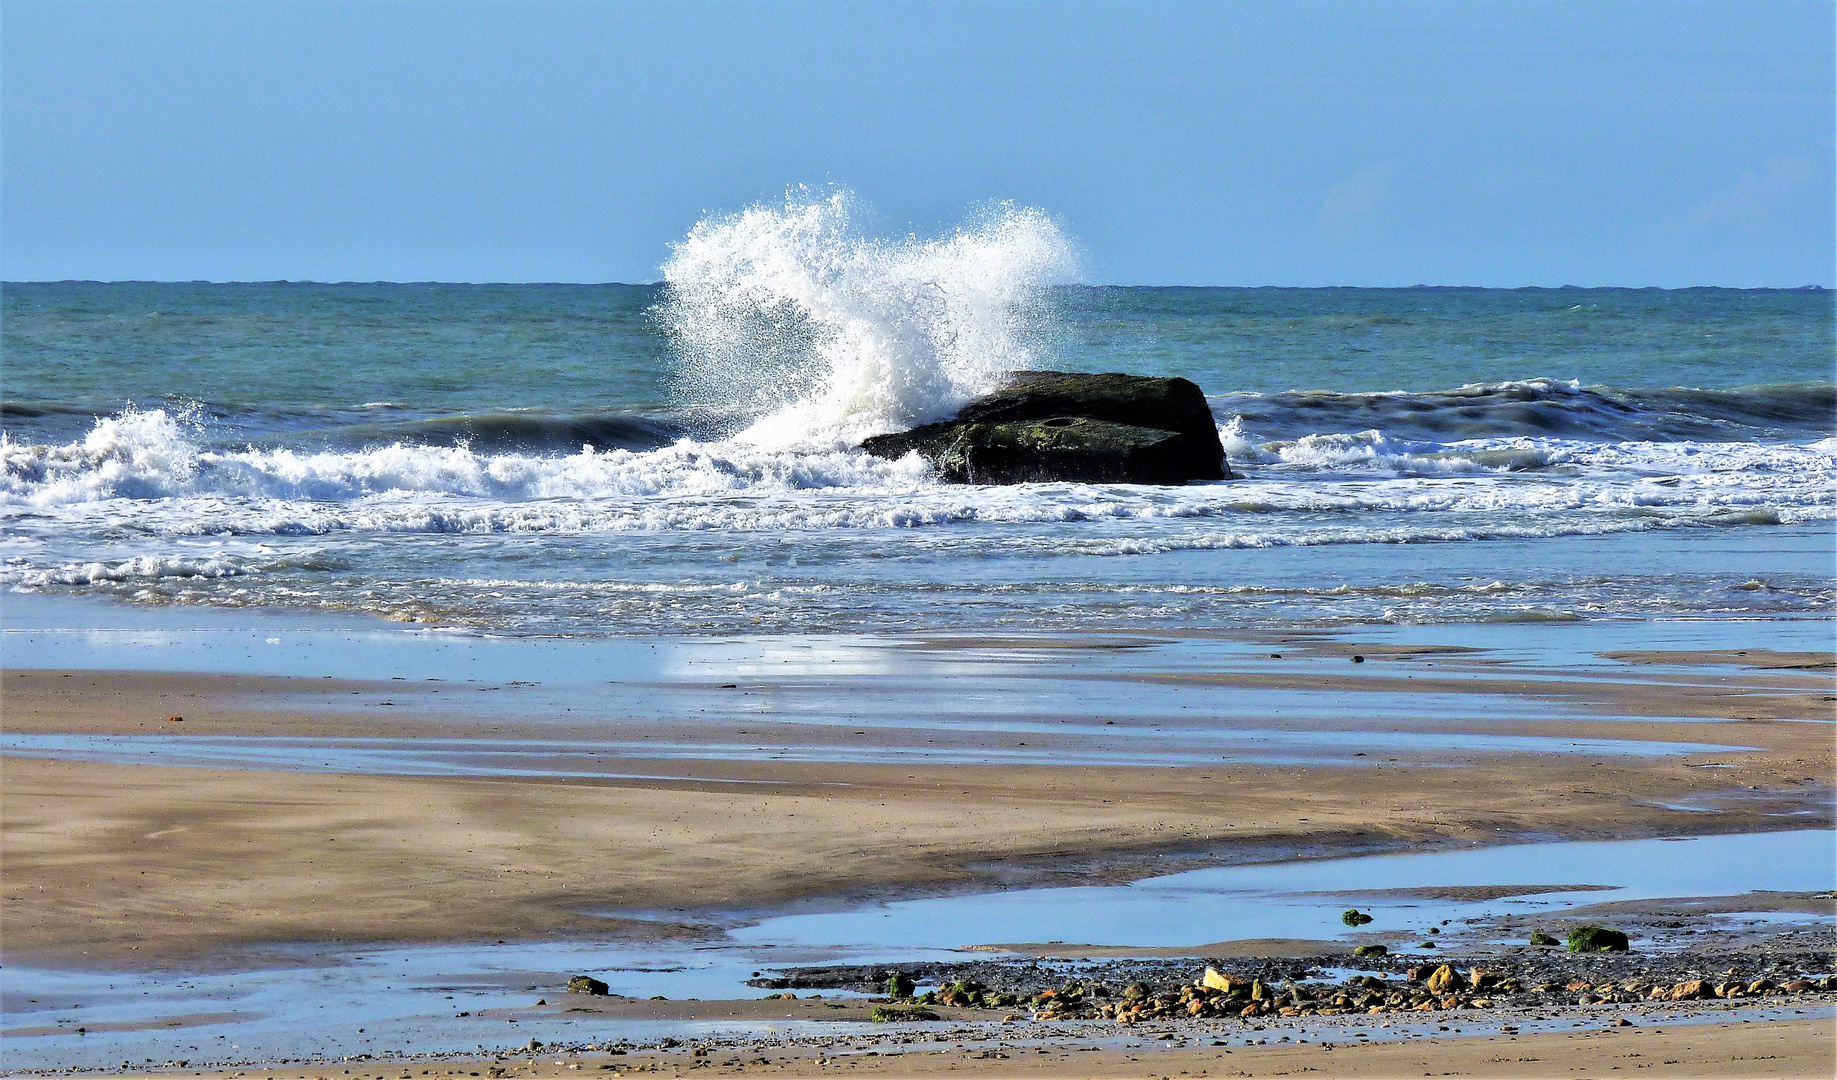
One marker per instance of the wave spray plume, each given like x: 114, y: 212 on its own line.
x: 795, y: 328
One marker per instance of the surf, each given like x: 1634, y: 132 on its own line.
x: 794, y: 328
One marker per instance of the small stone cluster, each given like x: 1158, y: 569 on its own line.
x: 1216, y: 995
x: 970, y: 994
x: 1694, y: 989
x: 1220, y: 995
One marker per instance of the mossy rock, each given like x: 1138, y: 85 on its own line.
x: 587, y: 984
x: 1538, y: 937
x: 899, y: 985
x: 1597, y: 939
x: 891, y: 1014
x: 1354, y: 917
x: 1371, y: 950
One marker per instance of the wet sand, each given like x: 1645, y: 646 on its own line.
x: 1792, y: 1048
x: 117, y: 864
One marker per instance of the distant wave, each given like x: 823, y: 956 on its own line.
x: 505, y: 432
x: 1545, y: 407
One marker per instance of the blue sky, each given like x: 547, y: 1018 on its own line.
x: 1235, y: 144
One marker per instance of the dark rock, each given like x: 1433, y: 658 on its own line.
x: 1073, y: 449
x: 1065, y: 426
x: 899, y: 985
x: 587, y: 984
x: 1538, y: 937
x: 1597, y: 939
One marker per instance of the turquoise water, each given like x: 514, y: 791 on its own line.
x: 267, y: 355
x: 680, y: 458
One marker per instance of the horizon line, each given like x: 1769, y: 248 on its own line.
x: 1417, y: 287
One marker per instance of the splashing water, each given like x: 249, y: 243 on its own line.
x: 793, y: 327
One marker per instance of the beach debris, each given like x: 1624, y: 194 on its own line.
x: 1597, y: 939
x: 1073, y: 427
x: 175, y: 719
x: 1371, y: 950
x: 587, y: 984
x: 1538, y: 937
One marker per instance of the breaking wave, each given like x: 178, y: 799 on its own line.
x: 153, y: 455
x: 794, y: 329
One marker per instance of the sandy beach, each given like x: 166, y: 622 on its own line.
x: 1787, y: 1049
x: 113, y: 863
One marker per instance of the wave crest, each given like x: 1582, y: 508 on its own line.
x: 792, y: 325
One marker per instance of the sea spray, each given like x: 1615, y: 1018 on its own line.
x: 793, y: 329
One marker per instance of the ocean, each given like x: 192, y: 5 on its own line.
x: 680, y: 458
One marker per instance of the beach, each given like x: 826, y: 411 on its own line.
x: 288, y: 826
x: 178, y: 863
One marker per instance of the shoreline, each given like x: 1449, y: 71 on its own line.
x: 780, y: 1038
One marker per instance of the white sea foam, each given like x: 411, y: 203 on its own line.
x: 819, y: 336
x: 151, y: 470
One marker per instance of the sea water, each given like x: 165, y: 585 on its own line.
x: 682, y: 457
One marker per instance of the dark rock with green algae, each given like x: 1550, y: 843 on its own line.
x: 1597, y: 939
x: 1044, y: 426
x: 888, y: 1014
x: 587, y: 984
